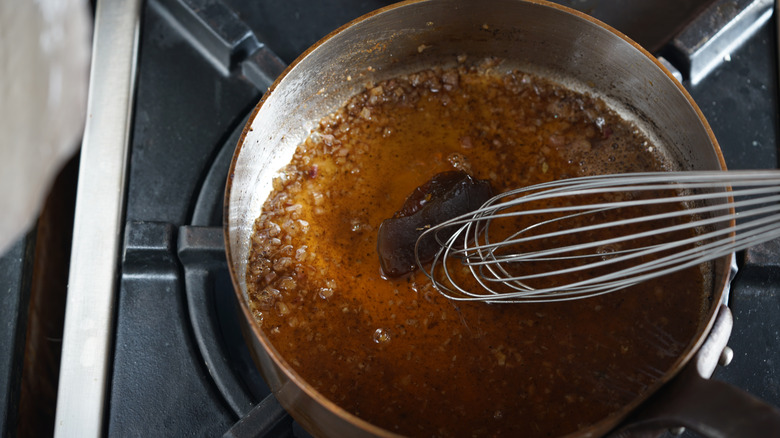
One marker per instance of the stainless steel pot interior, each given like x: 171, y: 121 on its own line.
x: 534, y: 36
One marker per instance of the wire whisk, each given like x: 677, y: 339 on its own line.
x: 582, y: 237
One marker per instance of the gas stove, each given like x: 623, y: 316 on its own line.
x: 160, y: 352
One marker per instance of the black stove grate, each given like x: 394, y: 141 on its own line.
x: 180, y: 365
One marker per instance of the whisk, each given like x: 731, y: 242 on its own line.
x: 595, y: 235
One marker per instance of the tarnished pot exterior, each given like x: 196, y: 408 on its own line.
x: 535, y: 36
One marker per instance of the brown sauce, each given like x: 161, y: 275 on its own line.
x: 395, y: 352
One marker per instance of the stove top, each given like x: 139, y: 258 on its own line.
x: 177, y: 364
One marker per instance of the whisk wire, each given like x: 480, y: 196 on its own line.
x: 487, y: 214
x: 715, y: 201
x: 476, y: 255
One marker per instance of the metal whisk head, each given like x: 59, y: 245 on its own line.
x: 582, y: 237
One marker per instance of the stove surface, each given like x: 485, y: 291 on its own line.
x: 178, y: 365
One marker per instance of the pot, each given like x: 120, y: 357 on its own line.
x: 534, y: 36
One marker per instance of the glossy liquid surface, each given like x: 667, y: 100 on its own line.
x: 395, y: 352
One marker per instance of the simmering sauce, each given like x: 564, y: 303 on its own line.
x: 396, y: 353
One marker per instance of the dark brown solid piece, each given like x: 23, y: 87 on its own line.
x: 447, y: 195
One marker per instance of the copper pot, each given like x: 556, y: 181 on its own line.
x: 532, y: 35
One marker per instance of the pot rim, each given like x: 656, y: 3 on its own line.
x: 601, y: 426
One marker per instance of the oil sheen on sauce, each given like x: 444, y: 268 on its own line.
x: 395, y: 352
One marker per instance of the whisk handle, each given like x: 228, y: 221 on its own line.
x: 712, y: 408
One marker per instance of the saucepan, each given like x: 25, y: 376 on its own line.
x: 535, y: 36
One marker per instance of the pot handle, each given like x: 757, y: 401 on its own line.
x: 710, y: 407
x: 718, y: 29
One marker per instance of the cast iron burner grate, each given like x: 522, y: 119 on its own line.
x: 210, y: 301
x: 214, y: 311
